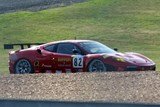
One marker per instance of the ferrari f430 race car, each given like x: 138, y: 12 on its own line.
x: 75, y: 56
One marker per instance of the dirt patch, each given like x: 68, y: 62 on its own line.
x: 33, y: 5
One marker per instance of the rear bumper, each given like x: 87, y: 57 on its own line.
x: 11, y: 68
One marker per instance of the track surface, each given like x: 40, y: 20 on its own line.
x: 137, y: 87
x: 32, y: 5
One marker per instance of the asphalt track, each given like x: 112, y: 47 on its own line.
x: 130, y: 87
x: 32, y: 5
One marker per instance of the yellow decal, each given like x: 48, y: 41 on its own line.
x: 36, y: 63
x: 64, y: 59
x: 120, y: 60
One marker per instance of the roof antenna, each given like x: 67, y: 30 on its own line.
x: 75, y: 38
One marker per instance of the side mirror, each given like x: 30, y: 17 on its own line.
x: 115, y: 49
x: 39, y: 51
x: 75, y: 51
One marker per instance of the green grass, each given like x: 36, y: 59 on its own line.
x: 129, y: 25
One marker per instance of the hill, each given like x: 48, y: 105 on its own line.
x: 129, y: 25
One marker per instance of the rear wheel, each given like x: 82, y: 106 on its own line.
x: 96, y: 65
x: 23, y: 66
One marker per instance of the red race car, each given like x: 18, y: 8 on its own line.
x: 75, y: 56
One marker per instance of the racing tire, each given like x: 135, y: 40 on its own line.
x: 23, y: 66
x: 96, y: 65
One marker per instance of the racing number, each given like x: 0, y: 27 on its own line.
x: 78, y: 61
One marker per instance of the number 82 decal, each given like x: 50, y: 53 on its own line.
x: 78, y: 61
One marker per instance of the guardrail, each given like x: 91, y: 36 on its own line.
x: 38, y: 103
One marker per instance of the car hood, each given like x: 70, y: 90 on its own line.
x: 131, y: 57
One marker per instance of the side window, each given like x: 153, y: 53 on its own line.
x: 67, y: 48
x: 50, y: 48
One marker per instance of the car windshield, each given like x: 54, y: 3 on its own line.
x: 93, y: 47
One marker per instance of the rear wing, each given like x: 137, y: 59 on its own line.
x: 22, y: 45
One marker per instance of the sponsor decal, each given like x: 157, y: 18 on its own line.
x: 120, y: 60
x: 46, y: 66
x: 77, y: 61
x: 36, y: 63
x: 64, y: 59
x: 64, y: 65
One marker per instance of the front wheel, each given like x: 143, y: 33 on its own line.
x: 23, y: 66
x: 96, y: 65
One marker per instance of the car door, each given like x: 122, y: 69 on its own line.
x: 45, y: 60
x: 67, y: 60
